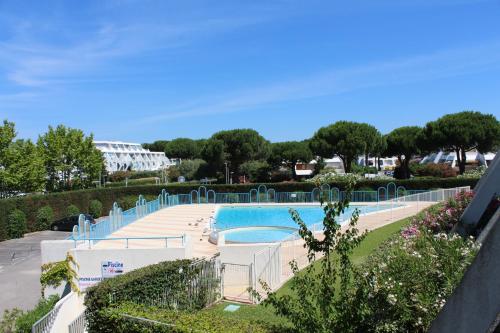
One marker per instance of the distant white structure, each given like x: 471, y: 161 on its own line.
x: 307, y: 169
x: 122, y: 156
x: 473, y: 158
x: 385, y: 163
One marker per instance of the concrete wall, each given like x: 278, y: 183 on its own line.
x: 71, y: 307
x: 55, y: 250
x: 90, y: 260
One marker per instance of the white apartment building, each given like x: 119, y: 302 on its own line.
x: 122, y: 156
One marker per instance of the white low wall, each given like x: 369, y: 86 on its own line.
x: 72, y: 306
x: 55, y: 250
x: 90, y: 261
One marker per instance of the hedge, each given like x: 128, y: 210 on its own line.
x: 81, y: 198
x: 167, y: 282
x: 132, y: 318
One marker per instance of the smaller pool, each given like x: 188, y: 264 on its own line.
x: 257, y: 234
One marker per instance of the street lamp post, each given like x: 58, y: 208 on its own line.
x: 227, y: 173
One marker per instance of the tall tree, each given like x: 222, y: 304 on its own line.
x: 158, y: 145
x: 21, y: 166
x: 343, y: 138
x: 235, y: 147
x: 403, y: 143
x: 71, y: 159
x: 289, y: 153
x: 183, y: 148
x: 462, y: 132
x: 371, y: 137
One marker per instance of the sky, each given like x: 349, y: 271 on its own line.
x: 141, y: 71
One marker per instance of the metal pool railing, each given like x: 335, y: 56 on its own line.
x: 126, y: 240
x: 44, y: 324
x: 118, y: 218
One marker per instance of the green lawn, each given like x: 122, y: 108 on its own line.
x: 266, y: 314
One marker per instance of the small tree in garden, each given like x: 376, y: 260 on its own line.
x: 320, y: 293
x: 72, y: 210
x: 16, y: 226
x: 44, y: 217
x: 95, y: 208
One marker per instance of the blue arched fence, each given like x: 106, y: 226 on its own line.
x: 261, y: 194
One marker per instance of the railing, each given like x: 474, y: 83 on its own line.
x: 93, y: 240
x: 44, y: 324
x: 78, y: 325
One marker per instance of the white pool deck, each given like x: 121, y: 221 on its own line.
x: 191, y: 220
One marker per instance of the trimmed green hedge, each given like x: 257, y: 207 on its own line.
x: 175, y: 321
x: 82, y: 198
x: 167, y: 282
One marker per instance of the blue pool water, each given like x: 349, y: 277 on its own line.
x: 263, y: 224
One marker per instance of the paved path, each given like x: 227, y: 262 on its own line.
x: 20, y: 269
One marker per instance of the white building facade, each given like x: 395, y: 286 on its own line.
x: 123, y: 156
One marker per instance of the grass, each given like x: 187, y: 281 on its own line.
x: 260, y: 313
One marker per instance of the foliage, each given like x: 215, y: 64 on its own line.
x: 332, y: 177
x: 26, y: 320
x: 289, y: 154
x: 440, y: 170
x: 184, y: 148
x: 55, y: 273
x: 474, y: 173
x: 405, y: 284
x: 16, y: 224
x: 343, y: 138
x: 192, y: 169
x: 8, y: 321
x: 95, y: 208
x: 373, y: 142
x: 21, y: 165
x: 175, y: 321
x: 158, y: 146
x: 171, y: 277
x: 256, y: 171
x: 72, y: 210
x: 403, y: 143
x: 71, y: 159
x: 442, y: 219
x: 44, y: 217
x: 462, y: 132
x: 316, y: 304
x: 236, y: 147
x: 362, y: 170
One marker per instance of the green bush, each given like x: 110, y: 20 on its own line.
x: 404, y: 285
x: 44, y: 217
x: 72, y: 210
x: 434, y: 170
x: 26, y: 320
x: 16, y: 226
x: 95, y: 208
x: 142, y: 284
x: 175, y: 321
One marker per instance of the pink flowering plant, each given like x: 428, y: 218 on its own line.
x: 441, y: 218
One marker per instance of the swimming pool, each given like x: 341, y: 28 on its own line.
x: 265, y: 224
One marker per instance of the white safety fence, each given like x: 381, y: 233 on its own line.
x: 44, y: 325
x: 272, y: 264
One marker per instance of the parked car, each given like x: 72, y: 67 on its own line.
x: 67, y: 223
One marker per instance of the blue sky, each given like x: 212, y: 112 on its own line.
x: 147, y: 70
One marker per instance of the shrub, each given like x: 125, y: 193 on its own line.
x: 95, y: 208
x: 16, y: 226
x: 434, y: 170
x: 405, y: 284
x: 443, y: 218
x: 72, y: 210
x: 256, y: 171
x: 8, y: 322
x: 44, y: 217
x: 183, y: 322
x: 119, y: 176
x: 171, y: 277
x: 26, y: 320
